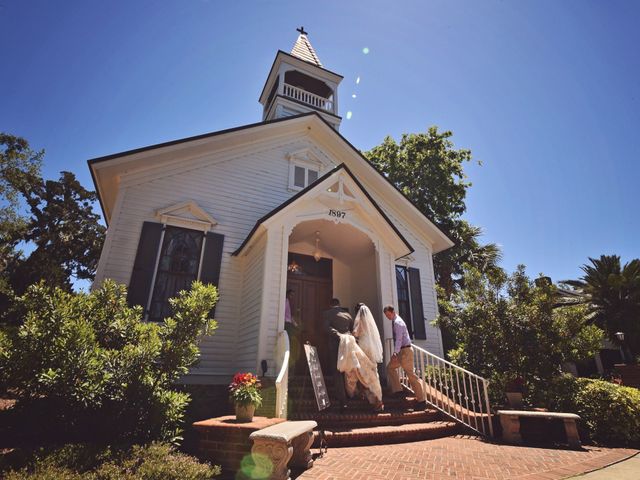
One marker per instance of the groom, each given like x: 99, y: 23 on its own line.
x: 337, y: 321
x: 402, y: 357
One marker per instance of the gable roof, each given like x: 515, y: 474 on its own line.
x: 311, y: 187
x: 436, y: 236
x: 304, y: 51
x: 97, y: 160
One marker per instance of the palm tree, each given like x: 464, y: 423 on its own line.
x: 449, y: 265
x: 613, y: 292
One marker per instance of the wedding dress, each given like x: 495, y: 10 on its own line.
x: 358, y: 360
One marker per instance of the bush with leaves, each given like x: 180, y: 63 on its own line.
x: 85, y: 366
x: 610, y: 413
x: 507, y: 328
x: 83, y: 462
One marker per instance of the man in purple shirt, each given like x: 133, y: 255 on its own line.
x: 402, y: 357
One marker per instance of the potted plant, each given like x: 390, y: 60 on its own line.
x: 245, y: 392
x: 514, y: 389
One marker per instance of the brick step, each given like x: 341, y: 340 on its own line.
x: 368, y: 419
x: 353, y: 437
x: 308, y: 404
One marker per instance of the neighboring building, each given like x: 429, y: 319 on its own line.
x: 284, y: 203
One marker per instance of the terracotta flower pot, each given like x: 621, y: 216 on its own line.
x: 244, y: 413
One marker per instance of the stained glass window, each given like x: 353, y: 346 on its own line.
x: 177, y: 268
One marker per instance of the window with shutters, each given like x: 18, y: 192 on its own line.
x: 178, y: 266
x: 170, y: 257
x: 410, y: 301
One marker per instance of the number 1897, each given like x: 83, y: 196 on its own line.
x: 337, y: 213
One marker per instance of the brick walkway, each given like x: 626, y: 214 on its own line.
x: 459, y: 457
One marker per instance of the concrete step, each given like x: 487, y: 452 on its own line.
x: 360, y: 436
x: 368, y: 419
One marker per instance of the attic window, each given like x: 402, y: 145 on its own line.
x: 304, y: 169
x: 303, y: 176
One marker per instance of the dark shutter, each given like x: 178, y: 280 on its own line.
x: 404, y: 297
x: 145, y: 264
x: 212, y: 258
x: 416, y: 304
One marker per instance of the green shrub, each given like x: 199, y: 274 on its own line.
x: 610, y: 413
x: 509, y: 326
x: 86, y: 367
x: 82, y: 462
x: 5, y: 346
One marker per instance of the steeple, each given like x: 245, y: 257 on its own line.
x: 298, y: 83
x: 303, y: 49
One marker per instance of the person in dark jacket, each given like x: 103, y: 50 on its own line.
x: 336, y: 320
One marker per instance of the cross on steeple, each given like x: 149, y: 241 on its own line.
x: 301, y: 30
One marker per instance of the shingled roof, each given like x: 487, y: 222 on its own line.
x: 304, y: 51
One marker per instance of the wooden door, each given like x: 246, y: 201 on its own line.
x: 311, y: 297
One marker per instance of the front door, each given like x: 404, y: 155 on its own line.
x: 312, y: 287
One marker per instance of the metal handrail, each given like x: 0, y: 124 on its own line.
x: 282, y: 380
x: 455, y: 391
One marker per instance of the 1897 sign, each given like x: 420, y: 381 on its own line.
x: 337, y: 213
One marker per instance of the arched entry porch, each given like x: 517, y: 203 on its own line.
x: 356, y: 236
x: 329, y: 260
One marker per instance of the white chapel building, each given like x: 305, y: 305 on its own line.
x: 286, y: 203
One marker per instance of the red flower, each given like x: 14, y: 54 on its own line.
x: 243, y: 380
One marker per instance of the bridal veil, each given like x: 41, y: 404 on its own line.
x: 366, y: 330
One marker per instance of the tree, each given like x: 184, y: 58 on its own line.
x: 612, y: 292
x: 507, y: 327
x: 429, y: 171
x: 449, y: 265
x: 65, y: 232
x: 19, y: 168
x: 87, y: 367
x: 53, y: 221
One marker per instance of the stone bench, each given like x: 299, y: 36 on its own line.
x: 510, y: 422
x: 278, y: 446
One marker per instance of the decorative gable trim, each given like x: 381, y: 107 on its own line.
x: 188, y: 215
x: 342, y: 167
x: 306, y: 156
x: 406, y: 260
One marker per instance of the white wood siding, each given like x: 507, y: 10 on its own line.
x: 248, y: 335
x: 236, y: 192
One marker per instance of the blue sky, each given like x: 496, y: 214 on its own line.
x: 546, y: 94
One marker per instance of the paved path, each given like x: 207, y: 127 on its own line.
x: 462, y: 458
x: 626, y: 470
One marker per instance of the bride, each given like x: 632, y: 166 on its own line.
x: 359, y: 361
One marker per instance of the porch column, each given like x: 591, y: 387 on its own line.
x: 273, y: 294
x: 387, y: 287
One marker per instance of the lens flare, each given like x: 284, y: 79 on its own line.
x: 256, y: 466
x: 353, y: 95
x: 357, y: 80
x: 349, y: 115
x: 365, y: 50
